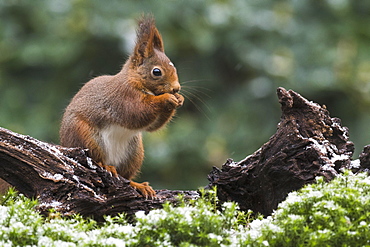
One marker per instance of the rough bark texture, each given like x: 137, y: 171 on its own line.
x: 308, y: 143
x: 69, y: 181
x: 364, y: 160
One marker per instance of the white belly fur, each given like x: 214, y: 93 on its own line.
x: 115, y: 140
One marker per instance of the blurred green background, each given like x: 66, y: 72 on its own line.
x: 231, y: 56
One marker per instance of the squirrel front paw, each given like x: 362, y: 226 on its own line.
x: 180, y: 100
x: 174, y: 101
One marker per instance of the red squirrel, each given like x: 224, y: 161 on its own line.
x: 109, y: 113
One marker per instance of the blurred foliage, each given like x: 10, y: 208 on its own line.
x: 231, y: 56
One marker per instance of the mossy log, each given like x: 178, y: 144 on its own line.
x: 308, y: 143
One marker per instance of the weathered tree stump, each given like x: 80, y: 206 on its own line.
x: 308, y: 143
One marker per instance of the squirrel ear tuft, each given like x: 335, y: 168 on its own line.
x: 148, y: 39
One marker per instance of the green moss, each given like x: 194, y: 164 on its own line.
x: 321, y: 214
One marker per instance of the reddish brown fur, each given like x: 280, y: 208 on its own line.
x: 79, y: 135
x: 135, y: 99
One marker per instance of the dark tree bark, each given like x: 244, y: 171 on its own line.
x: 364, y: 160
x: 69, y: 181
x: 308, y: 143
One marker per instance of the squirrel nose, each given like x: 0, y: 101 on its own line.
x: 176, y: 88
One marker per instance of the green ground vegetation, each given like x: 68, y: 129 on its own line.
x: 321, y: 214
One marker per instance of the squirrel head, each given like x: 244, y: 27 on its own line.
x: 153, y: 70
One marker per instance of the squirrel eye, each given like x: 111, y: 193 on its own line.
x: 156, y: 72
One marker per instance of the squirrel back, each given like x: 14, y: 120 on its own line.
x: 109, y: 112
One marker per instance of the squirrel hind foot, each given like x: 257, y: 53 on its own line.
x: 144, y: 188
x: 111, y: 169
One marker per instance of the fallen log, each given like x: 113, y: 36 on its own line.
x: 67, y: 180
x: 308, y: 143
